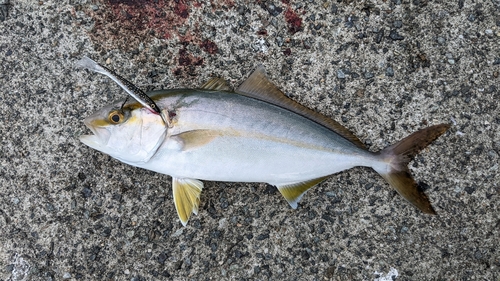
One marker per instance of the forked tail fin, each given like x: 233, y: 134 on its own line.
x: 399, y: 155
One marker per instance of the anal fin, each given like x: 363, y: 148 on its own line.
x: 186, y: 197
x: 293, y: 192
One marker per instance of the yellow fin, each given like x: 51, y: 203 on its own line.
x: 293, y: 192
x: 186, y: 197
x: 216, y: 84
x: 258, y: 86
x: 196, y: 138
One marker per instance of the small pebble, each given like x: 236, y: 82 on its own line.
x: 67, y: 275
x: 334, y: 9
x: 441, y: 40
x: 274, y: 22
x: 379, y: 36
x: 478, y: 255
x: 389, y: 71
x: 340, y: 74
x: 50, y: 207
x: 274, y: 10
x: 394, y: 35
x: 279, y: 41
x: 241, y: 10
x: 470, y: 189
x: 330, y: 194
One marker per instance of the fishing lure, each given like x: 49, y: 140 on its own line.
x: 126, y: 85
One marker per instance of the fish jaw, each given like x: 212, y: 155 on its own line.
x: 100, y: 137
x: 92, y: 141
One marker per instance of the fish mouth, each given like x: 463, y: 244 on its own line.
x: 99, y: 137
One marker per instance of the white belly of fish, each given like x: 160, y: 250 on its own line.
x: 250, y: 160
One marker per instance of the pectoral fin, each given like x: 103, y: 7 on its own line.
x: 186, y: 197
x: 293, y: 192
x: 196, y: 138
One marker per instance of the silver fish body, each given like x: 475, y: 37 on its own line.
x: 249, y: 141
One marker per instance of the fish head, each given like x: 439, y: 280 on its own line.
x: 129, y: 133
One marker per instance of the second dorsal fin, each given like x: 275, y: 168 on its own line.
x: 258, y: 86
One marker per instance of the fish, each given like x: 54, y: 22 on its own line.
x: 254, y: 133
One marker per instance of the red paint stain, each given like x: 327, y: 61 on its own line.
x: 187, y: 59
x: 177, y: 71
x: 262, y: 32
x: 126, y: 23
x: 293, y: 20
x: 181, y: 9
x: 209, y: 46
x: 184, y: 58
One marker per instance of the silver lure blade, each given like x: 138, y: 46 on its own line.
x: 126, y: 85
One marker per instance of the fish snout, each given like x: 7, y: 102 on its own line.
x: 100, y: 135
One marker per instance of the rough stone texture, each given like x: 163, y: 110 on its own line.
x: 382, y: 68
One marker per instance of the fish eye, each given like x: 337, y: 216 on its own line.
x: 115, y: 117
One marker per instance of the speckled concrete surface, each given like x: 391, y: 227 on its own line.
x: 383, y: 69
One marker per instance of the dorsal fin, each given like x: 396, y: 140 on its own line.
x: 258, y: 86
x: 216, y: 84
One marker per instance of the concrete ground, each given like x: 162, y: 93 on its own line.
x: 383, y: 69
